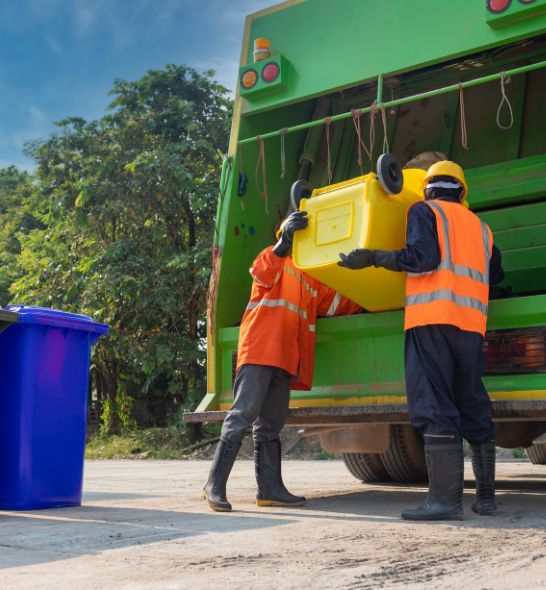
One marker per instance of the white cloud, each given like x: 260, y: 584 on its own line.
x: 54, y: 45
x: 85, y: 16
x: 35, y: 114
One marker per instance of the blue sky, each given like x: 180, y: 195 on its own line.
x: 60, y: 57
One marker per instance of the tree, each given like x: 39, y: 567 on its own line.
x: 16, y: 218
x: 128, y: 203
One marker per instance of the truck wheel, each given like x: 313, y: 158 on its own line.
x: 404, y: 460
x: 367, y: 467
x: 537, y: 454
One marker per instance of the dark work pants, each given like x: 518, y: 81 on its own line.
x: 446, y: 396
x: 261, y: 397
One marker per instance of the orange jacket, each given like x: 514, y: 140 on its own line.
x: 457, y: 291
x: 278, y: 327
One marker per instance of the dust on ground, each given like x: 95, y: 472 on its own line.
x: 144, y: 527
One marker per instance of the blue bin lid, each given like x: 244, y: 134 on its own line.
x: 31, y: 314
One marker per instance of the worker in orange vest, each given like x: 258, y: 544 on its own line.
x: 451, y: 263
x: 276, y: 353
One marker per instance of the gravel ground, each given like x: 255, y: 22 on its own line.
x: 143, y: 527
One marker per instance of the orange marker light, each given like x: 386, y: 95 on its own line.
x: 262, y: 49
x: 249, y: 79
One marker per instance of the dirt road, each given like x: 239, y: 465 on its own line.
x: 143, y: 527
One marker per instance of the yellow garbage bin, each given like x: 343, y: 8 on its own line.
x: 357, y: 213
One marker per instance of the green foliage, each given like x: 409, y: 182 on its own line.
x: 519, y: 453
x: 148, y: 443
x: 118, y: 409
x: 17, y: 219
x: 118, y: 224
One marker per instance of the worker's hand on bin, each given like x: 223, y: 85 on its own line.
x: 356, y: 259
x: 362, y: 258
x: 294, y: 222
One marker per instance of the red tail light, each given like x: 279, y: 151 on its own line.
x: 498, y: 6
x: 515, y: 351
x: 271, y: 72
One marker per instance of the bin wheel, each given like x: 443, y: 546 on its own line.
x: 367, y: 467
x: 389, y: 174
x: 537, y: 454
x: 404, y: 460
x: 301, y: 189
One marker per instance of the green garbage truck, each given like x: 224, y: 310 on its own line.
x: 334, y: 85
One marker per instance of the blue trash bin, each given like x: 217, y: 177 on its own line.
x: 44, y: 381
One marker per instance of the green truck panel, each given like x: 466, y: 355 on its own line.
x: 335, y: 54
x: 336, y: 45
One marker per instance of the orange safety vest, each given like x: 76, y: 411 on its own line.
x: 278, y: 326
x: 457, y: 291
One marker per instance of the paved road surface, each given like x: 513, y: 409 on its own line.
x: 143, y: 527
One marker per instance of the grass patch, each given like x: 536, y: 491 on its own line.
x: 150, y: 443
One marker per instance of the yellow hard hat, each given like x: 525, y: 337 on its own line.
x: 447, y: 168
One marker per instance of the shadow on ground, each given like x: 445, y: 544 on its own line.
x: 520, y: 506
x: 32, y: 537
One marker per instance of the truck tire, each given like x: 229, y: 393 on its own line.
x: 537, y: 454
x: 404, y: 460
x: 367, y: 467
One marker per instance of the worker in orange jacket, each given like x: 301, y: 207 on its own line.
x: 451, y: 262
x: 276, y: 353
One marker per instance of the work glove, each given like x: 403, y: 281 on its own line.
x: 294, y: 222
x: 386, y: 258
x: 362, y: 258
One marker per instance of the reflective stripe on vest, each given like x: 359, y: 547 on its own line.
x: 446, y: 295
x: 298, y: 276
x: 447, y: 262
x: 457, y: 291
x: 277, y: 303
x: 334, y: 305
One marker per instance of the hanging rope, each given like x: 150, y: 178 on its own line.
x: 283, y: 133
x: 464, y: 134
x: 357, y: 113
x: 507, y: 101
x: 328, y: 123
x: 261, y: 159
x: 386, y: 149
x: 373, y: 113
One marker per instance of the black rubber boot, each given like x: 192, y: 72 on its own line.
x: 271, y: 490
x: 445, y: 467
x: 214, y: 491
x: 483, y: 463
